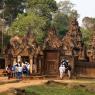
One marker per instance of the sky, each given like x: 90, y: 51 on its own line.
x: 84, y: 8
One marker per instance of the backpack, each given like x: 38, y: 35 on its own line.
x: 24, y: 69
x: 8, y: 70
x: 69, y: 67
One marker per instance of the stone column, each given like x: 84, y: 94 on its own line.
x: 31, y: 64
x: 14, y: 60
x: 35, y: 65
x: 6, y: 61
x: 19, y: 58
x: 72, y: 63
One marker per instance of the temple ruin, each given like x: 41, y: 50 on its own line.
x: 45, y: 59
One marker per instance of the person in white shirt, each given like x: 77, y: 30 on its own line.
x: 19, y: 72
x: 28, y: 68
x: 62, y: 70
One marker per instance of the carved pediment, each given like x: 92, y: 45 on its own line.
x: 52, y: 40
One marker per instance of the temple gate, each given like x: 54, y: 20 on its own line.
x: 51, y: 64
x: 45, y: 59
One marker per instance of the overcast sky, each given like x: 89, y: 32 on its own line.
x: 84, y: 7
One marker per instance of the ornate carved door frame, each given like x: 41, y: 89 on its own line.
x: 51, y: 63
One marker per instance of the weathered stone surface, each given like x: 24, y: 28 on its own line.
x: 52, y: 40
x: 72, y: 42
x: 91, y: 50
x: 69, y: 47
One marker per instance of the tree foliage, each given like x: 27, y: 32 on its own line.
x: 61, y: 23
x: 21, y: 24
x: 38, y: 15
x: 63, y: 15
x: 67, y: 8
x: 86, y: 34
x: 88, y: 29
x: 43, y: 8
x: 11, y: 8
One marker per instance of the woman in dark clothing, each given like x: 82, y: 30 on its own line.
x: 9, y: 71
x: 68, y: 70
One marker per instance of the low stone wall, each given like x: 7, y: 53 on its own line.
x: 85, y: 69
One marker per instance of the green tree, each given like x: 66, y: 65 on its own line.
x: 88, y: 29
x: 86, y: 34
x: 21, y: 24
x: 11, y: 8
x: 61, y: 23
x: 62, y: 16
x: 38, y: 16
x: 67, y: 8
x: 43, y: 8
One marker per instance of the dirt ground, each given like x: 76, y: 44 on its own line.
x: 24, y: 83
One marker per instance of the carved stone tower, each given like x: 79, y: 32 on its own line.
x: 73, y: 47
x: 72, y: 42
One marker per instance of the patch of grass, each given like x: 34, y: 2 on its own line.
x: 58, y: 89
x: 52, y: 88
x: 4, y: 93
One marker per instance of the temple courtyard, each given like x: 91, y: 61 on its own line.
x: 49, y: 86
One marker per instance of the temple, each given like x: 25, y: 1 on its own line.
x: 45, y: 59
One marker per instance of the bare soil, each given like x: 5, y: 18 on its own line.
x: 90, y: 84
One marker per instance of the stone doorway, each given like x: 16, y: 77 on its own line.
x: 25, y: 58
x: 2, y: 63
x: 51, y: 62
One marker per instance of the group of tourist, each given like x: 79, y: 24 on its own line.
x: 64, y: 68
x: 17, y: 70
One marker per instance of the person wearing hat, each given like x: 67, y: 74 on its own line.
x: 65, y: 62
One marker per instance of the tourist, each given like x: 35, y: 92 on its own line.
x: 9, y: 71
x: 14, y: 70
x: 65, y: 62
x: 69, y: 70
x: 19, y: 71
x: 28, y: 68
x: 24, y: 69
x: 62, y: 70
x: 65, y: 68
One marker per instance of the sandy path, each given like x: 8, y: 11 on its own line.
x: 25, y: 83
x: 8, y: 86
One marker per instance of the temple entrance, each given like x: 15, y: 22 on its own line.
x: 25, y: 58
x: 37, y: 65
x: 51, y: 62
x: 2, y: 63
